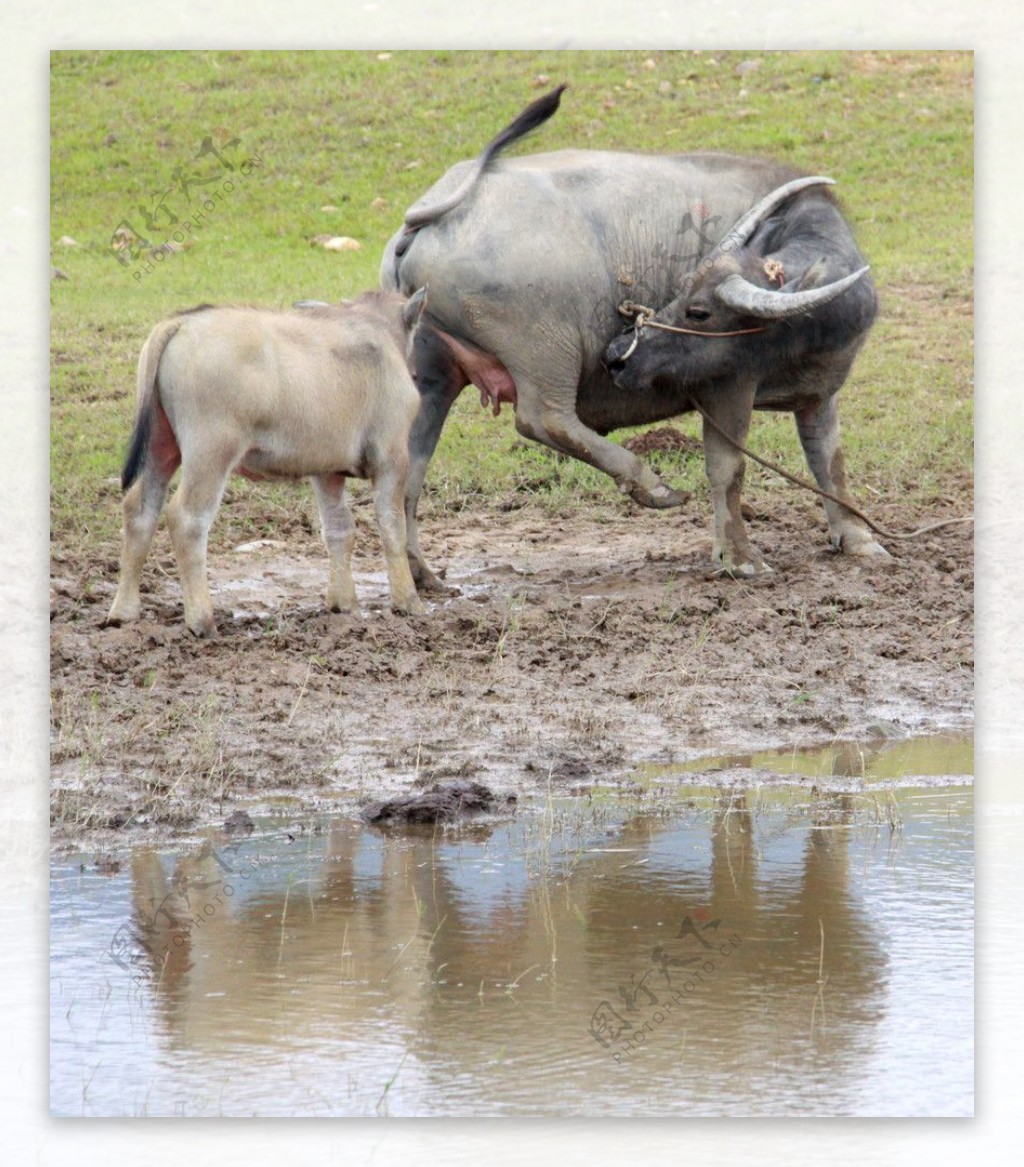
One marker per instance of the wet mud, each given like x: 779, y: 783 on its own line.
x: 442, y: 803
x: 573, y: 648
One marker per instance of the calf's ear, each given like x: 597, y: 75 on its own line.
x: 414, y: 308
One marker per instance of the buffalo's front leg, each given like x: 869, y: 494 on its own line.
x: 818, y: 427
x: 731, y: 411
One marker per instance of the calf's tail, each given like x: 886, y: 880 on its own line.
x: 147, y: 400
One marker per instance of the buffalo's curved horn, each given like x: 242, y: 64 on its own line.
x: 750, y: 300
x: 746, y: 225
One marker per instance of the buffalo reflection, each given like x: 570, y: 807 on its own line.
x: 466, y: 942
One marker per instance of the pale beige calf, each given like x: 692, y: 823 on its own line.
x: 322, y: 393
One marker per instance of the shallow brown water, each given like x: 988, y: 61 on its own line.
x: 877, y: 760
x: 765, y: 953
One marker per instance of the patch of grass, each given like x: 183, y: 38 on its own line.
x: 366, y: 134
x: 189, y: 768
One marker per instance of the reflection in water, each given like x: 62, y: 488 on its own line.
x: 742, y: 960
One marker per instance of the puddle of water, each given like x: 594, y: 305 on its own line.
x: 763, y: 956
x: 946, y: 756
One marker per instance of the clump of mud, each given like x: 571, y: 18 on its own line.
x: 665, y: 437
x: 440, y: 804
x: 238, y: 823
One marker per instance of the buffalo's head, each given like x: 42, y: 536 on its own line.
x: 739, y: 295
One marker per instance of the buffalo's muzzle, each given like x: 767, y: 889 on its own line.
x: 616, y: 353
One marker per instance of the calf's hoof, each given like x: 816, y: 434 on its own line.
x: 410, y: 607
x: 743, y: 571
x: 204, y: 629
x: 745, y: 567
x: 122, y: 613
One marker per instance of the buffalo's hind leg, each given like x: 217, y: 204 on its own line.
x: 546, y: 413
x: 439, y: 381
x: 818, y: 427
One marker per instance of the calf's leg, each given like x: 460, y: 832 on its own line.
x: 389, y: 490
x: 339, y: 535
x: 818, y: 427
x: 189, y: 517
x: 141, y: 508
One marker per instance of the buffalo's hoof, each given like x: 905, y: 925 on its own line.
x: 659, y: 497
x: 429, y: 583
x: 864, y: 547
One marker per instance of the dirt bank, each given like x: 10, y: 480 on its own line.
x: 578, y: 646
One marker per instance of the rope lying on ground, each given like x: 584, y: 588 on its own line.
x: 643, y: 319
x: 824, y: 493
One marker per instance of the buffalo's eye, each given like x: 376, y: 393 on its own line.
x: 697, y: 314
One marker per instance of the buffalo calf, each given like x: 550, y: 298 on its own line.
x: 323, y: 393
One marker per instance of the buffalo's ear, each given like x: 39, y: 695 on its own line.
x: 811, y: 278
x: 414, y: 308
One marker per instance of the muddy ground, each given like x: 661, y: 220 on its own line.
x: 577, y: 646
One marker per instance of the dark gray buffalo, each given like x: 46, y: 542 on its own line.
x: 527, y: 261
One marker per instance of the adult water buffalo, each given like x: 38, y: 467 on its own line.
x: 527, y: 261
x: 323, y: 393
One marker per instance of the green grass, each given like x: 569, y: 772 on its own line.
x: 368, y: 135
